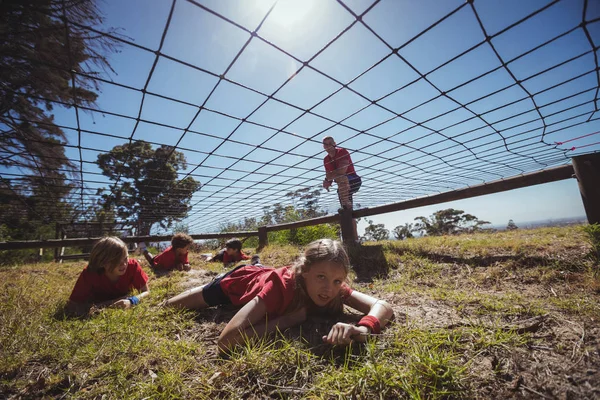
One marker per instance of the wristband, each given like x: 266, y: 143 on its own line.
x: 370, y: 322
x: 134, y: 300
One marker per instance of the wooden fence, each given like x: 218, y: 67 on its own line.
x: 585, y: 168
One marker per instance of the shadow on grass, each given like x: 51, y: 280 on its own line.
x: 217, y: 315
x: 369, y: 262
x: 517, y: 260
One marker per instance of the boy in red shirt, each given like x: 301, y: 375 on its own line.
x: 231, y: 254
x: 108, y: 279
x: 174, y: 257
x: 339, y: 168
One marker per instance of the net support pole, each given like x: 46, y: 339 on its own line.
x: 587, y: 171
x: 347, y: 225
x: 263, y: 238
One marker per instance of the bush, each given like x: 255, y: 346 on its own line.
x: 593, y: 236
x: 305, y: 235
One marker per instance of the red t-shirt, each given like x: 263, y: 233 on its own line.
x: 235, y: 258
x: 331, y: 164
x: 275, y: 286
x: 92, y: 287
x: 168, y: 259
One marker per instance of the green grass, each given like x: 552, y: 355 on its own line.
x: 159, y: 353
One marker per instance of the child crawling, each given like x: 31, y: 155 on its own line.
x: 108, y: 279
x: 279, y: 298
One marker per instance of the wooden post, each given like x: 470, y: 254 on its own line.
x: 62, y: 249
x: 347, y: 225
x: 263, y: 238
x: 57, y: 236
x: 587, y: 170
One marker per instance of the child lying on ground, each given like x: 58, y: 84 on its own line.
x: 281, y: 298
x: 231, y: 254
x: 174, y: 257
x: 108, y: 279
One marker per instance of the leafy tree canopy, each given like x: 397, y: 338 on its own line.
x: 402, y: 232
x: 375, y: 232
x: 303, y: 204
x: 46, y: 58
x: 448, y: 222
x: 43, y: 62
x: 511, y: 225
x: 146, y: 189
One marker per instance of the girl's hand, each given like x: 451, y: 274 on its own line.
x: 342, y: 334
x: 123, y: 303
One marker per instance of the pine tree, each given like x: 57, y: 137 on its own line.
x: 46, y: 58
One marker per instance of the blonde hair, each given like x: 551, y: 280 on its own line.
x: 107, y: 254
x: 323, y: 250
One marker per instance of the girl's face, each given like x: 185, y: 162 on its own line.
x: 323, y: 282
x: 119, y: 270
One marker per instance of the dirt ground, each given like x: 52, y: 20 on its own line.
x: 561, y: 359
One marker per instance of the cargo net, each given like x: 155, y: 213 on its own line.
x: 427, y: 97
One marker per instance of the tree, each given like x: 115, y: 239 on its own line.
x: 45, y: 61
x: 448, y: 222
x: 511, y: 225
x: 402, y: 232
x: 46, y: 58
x: 146, y: 189
x: 375, y: 232
x: 304, y: 204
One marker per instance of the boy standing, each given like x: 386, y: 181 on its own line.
x: 339, y: 168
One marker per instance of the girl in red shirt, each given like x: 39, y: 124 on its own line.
x: 280, y: 298
x: 108, y: 279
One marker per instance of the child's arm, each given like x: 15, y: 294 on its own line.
x: 342, y: 333
x: 249, y: 321
x: 81, y: 309
x: 124, y: 302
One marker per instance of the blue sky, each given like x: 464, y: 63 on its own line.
x: 407, y: 139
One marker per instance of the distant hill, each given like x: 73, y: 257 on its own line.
x: 543, y: 223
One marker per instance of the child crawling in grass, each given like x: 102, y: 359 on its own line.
x: 174, y: 257
x: 108, y: 279
x: 231, y: 254
x: 281, y: 298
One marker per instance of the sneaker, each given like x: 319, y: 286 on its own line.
x: 141, y: 248
x: 255, y: 260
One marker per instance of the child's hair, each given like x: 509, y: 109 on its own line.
x: 328, y: 138
x: 235, y: 244
x: 180, y: 240
x: 106, y: 254
x: 323, y: 250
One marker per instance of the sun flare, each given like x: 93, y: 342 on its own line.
x: 287, y: 13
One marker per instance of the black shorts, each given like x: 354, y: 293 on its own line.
x: 213, y: 293
x: 355, y: 182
